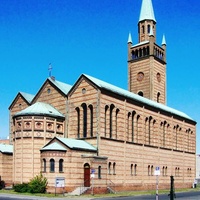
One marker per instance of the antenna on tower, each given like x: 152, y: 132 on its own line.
x: 50, y: 69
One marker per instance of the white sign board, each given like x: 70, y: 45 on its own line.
x: 157, y: 171
x: 92, y: 175
x: 60, y: 182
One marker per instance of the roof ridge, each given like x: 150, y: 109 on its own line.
x: 126, y: 93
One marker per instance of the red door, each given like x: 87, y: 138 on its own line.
x: 86, y: 175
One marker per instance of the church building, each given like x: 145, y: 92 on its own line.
x: 95, y: 134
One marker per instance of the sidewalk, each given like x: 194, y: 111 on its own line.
x: 18, y: 196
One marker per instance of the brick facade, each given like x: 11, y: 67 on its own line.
x: 132, y: 135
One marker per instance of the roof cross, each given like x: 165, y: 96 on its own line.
x: 50, y: 69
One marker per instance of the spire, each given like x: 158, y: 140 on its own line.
x: 164, y: 40
x: 129, y: 38
x: 147, y: 11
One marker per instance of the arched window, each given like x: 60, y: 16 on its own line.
x: 91, y: 120
x: 52, y: 165
x: 128, y: 125
x: 152, y: 170
x: 137, y: 128
x: 78, y: 122
x: 149, y: 170
x: 144, y: 51
x: 136, y: 53
x: 135, y: 169
x: 131, y: 169
x: 148, y: 28
x: 44, y: 165
x: 61, y: 165
x: 111, y: 120
x: 109, y: 168
x: 132, y: 127
x: 148, y: 50
x: 116, y: 120
x: 143, y: 30
x: 106, y: 118
x: 163, y: 171
x: 84, y: 120
x: 99, y: 172
x: 158, y: 97
x: 114, y: 168
x: 140, y: 93
x: 133, y: 54
x: 140, y: 52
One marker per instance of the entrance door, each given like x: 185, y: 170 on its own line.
x: 86, y: 175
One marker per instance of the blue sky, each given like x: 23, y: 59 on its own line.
x: 90, y: 36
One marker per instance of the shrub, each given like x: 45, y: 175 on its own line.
x: 22, y: 188
x: 2, y: 185
x: 38, y: 184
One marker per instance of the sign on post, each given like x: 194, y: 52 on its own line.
x: 60, y: 182
x: 157, y: 171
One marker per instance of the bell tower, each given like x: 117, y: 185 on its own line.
x: 147, y: 60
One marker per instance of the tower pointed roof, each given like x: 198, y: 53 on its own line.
x: 164, y: 40
x: 147, y: 12
x: 129, y: 38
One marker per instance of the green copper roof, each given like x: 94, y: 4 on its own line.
x: 147, y: 12
x: 28, y: 97
x: 62, y: 86
x: 164, y: 40
x: 6, y: 148
x: 77, y: 144
x: 40, y: 108
x: 54, y: 146
x: 136, y: 97
x: 70, y: 143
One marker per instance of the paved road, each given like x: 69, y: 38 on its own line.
x: 179, y: 196
x: 24, y: 197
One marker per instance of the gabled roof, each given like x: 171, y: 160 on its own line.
x: 54, y: 146
x: 125, y: 93
x: 40, y: 108
x: 60, y: 85
x: 147, y: 12
x: 6, y: 148
x: 27, y: 98
x: 73, y: 144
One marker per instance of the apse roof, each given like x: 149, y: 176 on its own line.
x: 147, y: 12
x: 40, y: 108
x: 6, y: 148
x: 131, y: 95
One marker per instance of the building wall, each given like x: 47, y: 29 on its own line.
x: 155, y: 139
x: 51, y: 95
x: 30, y: 135
x: 18, y: 105
x: 198, y: 166
x: 6, y: 168
x: 73, y: 169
